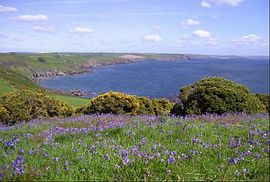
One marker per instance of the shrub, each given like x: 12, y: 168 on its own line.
x: 58, y: 108
x: 42, y: 60
x: 146, y: 106
x: 115, y: 103
x: 178, y: 109
x: 265, y: 99
x: 218, y: 95
x: 4, y: 115
x: 162, y: 106
x: 120, y: 103
x: 25, y: 105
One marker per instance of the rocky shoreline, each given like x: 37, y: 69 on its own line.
x: 90, y: 66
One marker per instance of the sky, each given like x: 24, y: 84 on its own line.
x: 213, y: 27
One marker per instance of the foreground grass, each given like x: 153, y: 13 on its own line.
x: 110, y: 147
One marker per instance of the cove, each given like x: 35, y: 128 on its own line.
x: 164, y: 78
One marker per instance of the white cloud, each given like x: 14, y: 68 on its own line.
x: 152, y: 38
x: 212, y: 41
x: 229, y: 2
x: 32, y: 18
x: 83, y: 30
x: 248, y: 40
x: 202, y: 33
x: 49, y: 29
x: 205, y: 4
x: 191, y: 21
x: 7, y: 9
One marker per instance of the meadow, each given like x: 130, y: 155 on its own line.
x: 108, y: 147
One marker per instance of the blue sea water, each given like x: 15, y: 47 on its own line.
x: 164, y: 78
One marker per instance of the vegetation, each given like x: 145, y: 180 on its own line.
x: 265, y: 99
x: 218, y: 95
x: 120, y: 103
x: 141, y: 148
x: 25, y: 105
x: 115, y: 103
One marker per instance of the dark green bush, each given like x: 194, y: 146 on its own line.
x: 218, y: 95
x: 178, y: 109
x: 25, y: 105
x: 265, y: 99
x: 115, y: 103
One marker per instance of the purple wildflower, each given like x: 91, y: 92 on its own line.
x: 169, y: 172
x: 107, y: 157
x: 10, y: 144
x: 21, y: 151
x: 171, y: 160
x: 55, y: 159
x: 184, y: 156
x: 234, y: 160
x: 125, y: 157
x: 257, y: 156
x: 18, y: 165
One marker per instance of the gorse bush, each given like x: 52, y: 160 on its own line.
x: 265, y: 99
x: 146, y: 106
x: 25, y: 105
x: 162, y: 106
x: 120, y: 103
x: 218, y: 95
x: 115, y: 103
x: 4, y: 115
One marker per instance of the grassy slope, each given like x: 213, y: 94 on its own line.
x: 158, y: 149
x: 12, y: 80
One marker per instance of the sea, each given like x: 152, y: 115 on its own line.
x: 163, y: 79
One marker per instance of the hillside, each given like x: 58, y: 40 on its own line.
x: 18, y: 70
x: 143, y: 148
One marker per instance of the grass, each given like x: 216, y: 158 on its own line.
x: 73, y: 101
x: 122, y: 148
x: 13, y: 80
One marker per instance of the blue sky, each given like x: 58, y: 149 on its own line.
x: 221, y: 27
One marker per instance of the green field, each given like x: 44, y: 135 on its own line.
x: 143, y: 148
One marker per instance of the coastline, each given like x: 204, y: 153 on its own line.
x: 91, y: 65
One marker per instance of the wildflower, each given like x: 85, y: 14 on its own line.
x: 21, y: 151
x: 237, y: 173
x: 55, y: 159
x: 246, y: 153
x: 18, y: 165
x: 107, y: 157
x: 171, y: 160
x: 234, y: 160
x: 184, y: 156
x: 257, y: 156
x: 66, y: 168
x: 169, y: 172
x: 245, y: 171
x: 125, y: 157
x: 195, y: 140
x: 10, y: 144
